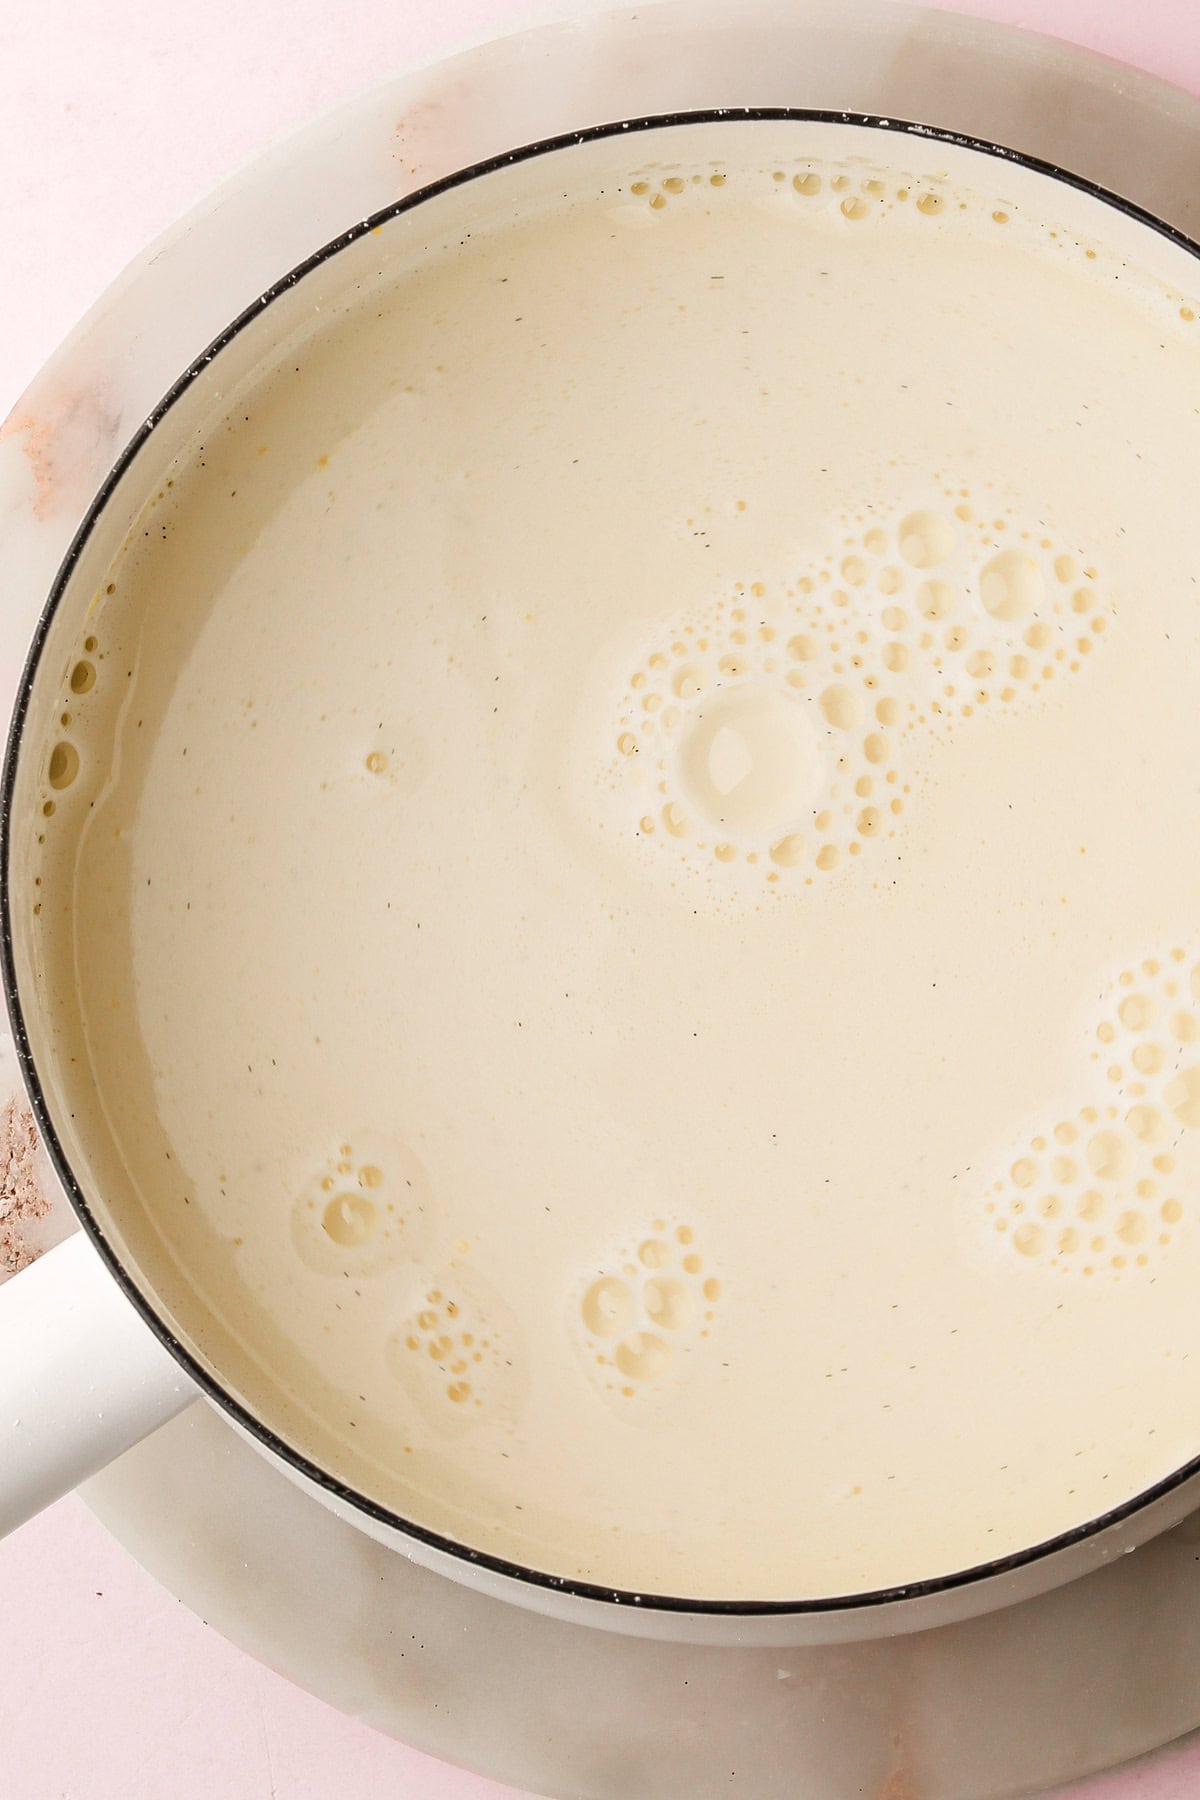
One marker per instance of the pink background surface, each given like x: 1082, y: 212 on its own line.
x: 109, y: 1689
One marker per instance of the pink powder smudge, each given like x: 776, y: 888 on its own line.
x: 38, y: 454
x: 22, y: 1202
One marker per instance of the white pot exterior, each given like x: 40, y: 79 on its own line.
x: 63, y: 437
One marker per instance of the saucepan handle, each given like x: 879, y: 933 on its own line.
x: 82, y: 1378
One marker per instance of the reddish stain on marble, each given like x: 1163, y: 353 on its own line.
x: 415, y: 141
x: 38, y: 453
x: 22, y: 1201
x: 898, y: 1786
x: 900, y: 1783
x: 69, y: 438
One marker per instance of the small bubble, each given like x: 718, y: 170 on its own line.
x: 688, y: 683
x: 627, y: 743
x: 1171, y: 1211
x: 349, y: 1219
x: 654, y: 1254
x: 607, y: 1307
x: 807, y: 184
x: 1182, y: 1095
x: 64, y: 766
x: 83, y: 678
x: 926, y: 539
x: 827, y: 857
x: 1011, y: 585
x: 669, y: 1304
x: 930, y: 204
x: 935, y: 599
x: 840, y: 706
x: 1029, y: 1239
x: 712, y: 1289
x: 1108, y: 1155
x: 1136, y: 1012
x: 674, y: 184
x: 855, y: 207
x: 377, y: 762
x: 1147, y: 1059
x: 643, y: 1357
x: 674, y: 819
x: 788, y: 852
x: 1146, y: 1123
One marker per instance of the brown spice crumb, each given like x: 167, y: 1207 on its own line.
x: 22, y: 1201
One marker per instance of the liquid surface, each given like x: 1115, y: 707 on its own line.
x: 615, y: 847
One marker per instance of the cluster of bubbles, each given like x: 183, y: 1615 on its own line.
x: 1103, y: 1186
x: 63, y: 761
x: 454, y: 1353
x: 779, y: 731
x: 652, y: 1302
x: 362, y: 1211
x: 857, y: 193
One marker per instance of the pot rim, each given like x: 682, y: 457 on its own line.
x: 872, y: 1600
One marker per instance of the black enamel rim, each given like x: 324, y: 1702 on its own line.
x: 250, y: 1424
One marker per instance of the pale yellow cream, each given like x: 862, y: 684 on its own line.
x: 639, y: 944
